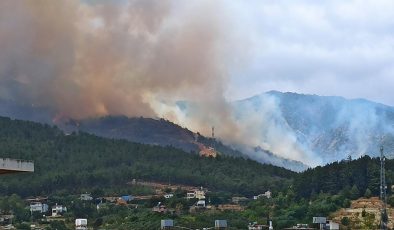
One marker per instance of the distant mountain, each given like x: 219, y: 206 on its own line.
x: 163, y: 133
x: 140, y: 130
x: 308, y: 128
x: 326, y: 128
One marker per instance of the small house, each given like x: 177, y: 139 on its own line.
x: 81, y: 224
x: 58, y: 210
x: 86, y: 197
x: 255, y: 226
x: 267, y: 194
x: 200, y: 204
x: 220, y: 224
x: 198, y: 194
x: 190, y: 195
x: 160, y: 208
x: 127, y: 198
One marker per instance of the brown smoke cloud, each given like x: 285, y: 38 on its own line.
x: 86, y: 58
x: 137, y: 57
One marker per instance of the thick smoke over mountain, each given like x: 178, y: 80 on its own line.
x: 323, y: 129
x: 135, y: 58
x: 88, y: 59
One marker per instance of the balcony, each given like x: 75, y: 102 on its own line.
x: 8, y: 166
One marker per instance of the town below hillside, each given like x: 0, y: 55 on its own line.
x: 154, y: 204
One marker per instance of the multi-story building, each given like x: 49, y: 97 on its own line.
x: 38, y: 207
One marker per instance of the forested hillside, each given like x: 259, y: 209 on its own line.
x: 81, y: 160
x: 361, y: 176
x: 164, y: 132
x: 138, y: 129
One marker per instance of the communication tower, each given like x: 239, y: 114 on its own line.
x: 383, y: 193
x: 213, y: 137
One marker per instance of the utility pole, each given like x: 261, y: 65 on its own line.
x: 383, y: 194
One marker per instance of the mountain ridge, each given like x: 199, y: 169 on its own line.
x: 163, y: 132
x: 313, y: 129
x: 330, y: 127
x: 143, y: 130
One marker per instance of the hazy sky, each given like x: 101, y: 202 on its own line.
x: 334, y: 47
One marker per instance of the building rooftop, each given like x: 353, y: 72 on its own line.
x: 8, y: 166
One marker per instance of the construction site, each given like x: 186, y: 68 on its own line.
x: 364, y: 213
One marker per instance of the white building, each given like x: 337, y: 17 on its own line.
x: 200, y: 204
x: 168, y: 196
x: 38, y: 207
x: 332, y: 225
x: 190, y: 195
x: 86, y: 197
x: 81, y: 224
x: 199, y: 194
x: 58, y: 210
x: 196, y: 194
x: 267, y: 194
x: 255, y: 227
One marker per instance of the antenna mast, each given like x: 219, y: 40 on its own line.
x: 213, y: 137
x: 383, y: 194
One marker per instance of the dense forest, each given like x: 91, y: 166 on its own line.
x: 66, y: 165
x: 362, y: 175
x: 81, y: 160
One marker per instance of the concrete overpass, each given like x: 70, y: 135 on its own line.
x: 8, y: 166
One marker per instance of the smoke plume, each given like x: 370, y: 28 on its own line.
x: 88, y: 59
x: 136, y: 58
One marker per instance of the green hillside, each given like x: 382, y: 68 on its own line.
x: 362, y: 174
x: 79, y: 161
